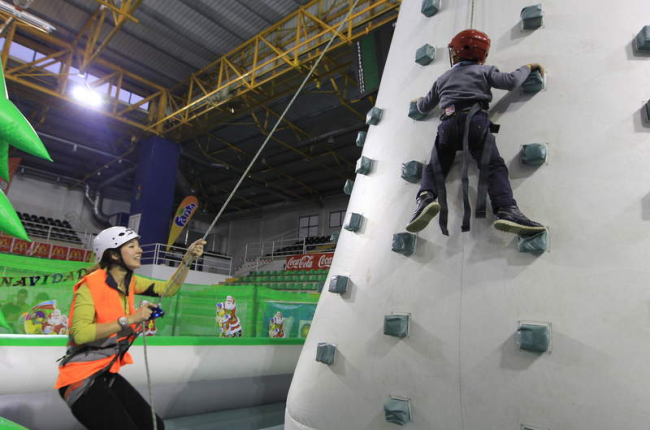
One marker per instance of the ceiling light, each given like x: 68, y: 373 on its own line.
x: 27, y: 17
x: 86, y: 96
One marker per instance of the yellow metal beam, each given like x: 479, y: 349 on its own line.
x: 288, y: 46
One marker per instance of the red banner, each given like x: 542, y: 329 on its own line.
x: 5, y: 244
x: 59, y: 252
x: 21, y: 247
x: 41, y: 250
x: 309, y: 261
x: 76, y: 254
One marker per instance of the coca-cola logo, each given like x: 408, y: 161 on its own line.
x: 309, y: 262
x: 325, y: 260
x: 304, y: 262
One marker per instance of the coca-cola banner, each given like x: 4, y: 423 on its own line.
x: 309, y: 261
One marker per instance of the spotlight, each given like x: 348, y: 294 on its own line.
x: 87, y: 96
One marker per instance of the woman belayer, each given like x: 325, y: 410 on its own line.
x: 103, y: 324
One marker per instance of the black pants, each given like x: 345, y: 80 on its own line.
x: 450, y: 140
x: 111, y: 403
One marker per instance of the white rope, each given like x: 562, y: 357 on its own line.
x: 471, y: 16
x: 146, y: 365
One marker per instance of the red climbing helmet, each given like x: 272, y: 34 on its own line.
x: 470, y: 45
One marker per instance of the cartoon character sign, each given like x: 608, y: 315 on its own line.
x: 45, y: 318
x: 276, y: 329
x: 227, y: 320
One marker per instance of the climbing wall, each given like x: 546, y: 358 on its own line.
x: 495, y: 338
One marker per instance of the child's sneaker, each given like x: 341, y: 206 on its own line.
x: 427, y: 208
x: 511, y: 220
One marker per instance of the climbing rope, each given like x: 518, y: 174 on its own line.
x: 190, y: 260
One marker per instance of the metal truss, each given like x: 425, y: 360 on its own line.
x: 288, y: 46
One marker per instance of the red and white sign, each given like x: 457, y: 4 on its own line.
x: 43, y: 250
x: 309, y: 261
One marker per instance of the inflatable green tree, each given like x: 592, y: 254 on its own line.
x: 16, y: 131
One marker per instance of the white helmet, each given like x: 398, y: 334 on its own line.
x: 111, y: 238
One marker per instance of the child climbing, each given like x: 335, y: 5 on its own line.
x: 464, y: 94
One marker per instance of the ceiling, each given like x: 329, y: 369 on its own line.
x: 309, y: 157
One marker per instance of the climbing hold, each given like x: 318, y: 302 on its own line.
x: 430, y: 7
x: 414, y: 113
x: 404, y: 243
x: 643, y: 39
x: 425, y: 54
x: 412, y: 171
x: 361, y: 138
x: 325, y: 352
x: 532, y: 17
x: 527, y: 427
x: 533, y: 154
x: 533, y: 83
x: 374, y: 116
x: 535, y: 244
x: 347, y: 188
x: 364, y: 166
x: 354, y: 222
x: 534, y: 337
x: 647, y: 111
x: 396, y: 325
x: 339, y: 284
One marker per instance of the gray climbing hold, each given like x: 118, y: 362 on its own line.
x: 325, y: 353
x: 339, y: 284
x: 354, y: 222
x: 534, y: 83
x: 535, y: 244
x: 533, y: 154
x: 534, y: 337
x: 414, y: 112
x: 374, y: 116
x: 430, y: 7
x: 404, y: 243
x: 647, y: 111
x: 425, y: 54
x: 347, y: 188
x: 532, y: 17
x: 643, y: 39
x: 396, y: 325
x: 361, y: 138
x: 412, y: 171
x: 364, y: 166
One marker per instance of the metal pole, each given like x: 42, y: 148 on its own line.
x: 304, y: 245
x: 272, y: 249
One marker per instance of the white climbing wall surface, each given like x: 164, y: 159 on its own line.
x: 460, y: 366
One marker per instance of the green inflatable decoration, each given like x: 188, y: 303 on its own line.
x: 9, y: 221
x: 16, y: 131
x: 4, y: 160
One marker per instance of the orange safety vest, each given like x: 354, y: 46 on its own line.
x: 108, y: 308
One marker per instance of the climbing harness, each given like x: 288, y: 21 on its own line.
x: 439, y: 178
